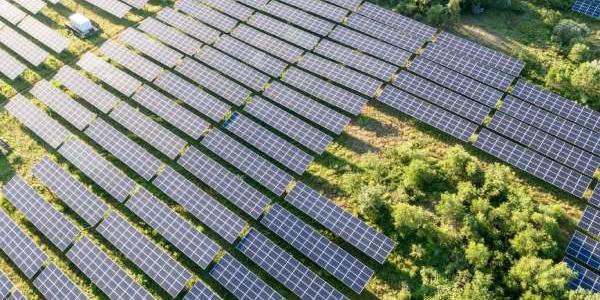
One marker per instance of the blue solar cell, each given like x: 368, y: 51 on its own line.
x: 19, y: 247
x: 585, y: 279
x: 595, y: 200
x: 585, y: 249
x: 590, y: 221
x: 587, y: 7
x: 200, y: 292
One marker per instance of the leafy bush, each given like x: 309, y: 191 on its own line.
x: 586, y: 80
x: 580, y: 52
x: 566, y: 30
x: 371, y: 204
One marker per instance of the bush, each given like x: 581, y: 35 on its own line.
x: 458, y: 165
x: 550, y: 17
x: 371, y: 204
x: 558, y: 77
x: 437, y: 15
x: 580, y: 52
x: 586, y: 80
x: 566, y: 30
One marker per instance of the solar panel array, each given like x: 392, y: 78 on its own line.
x: 192, y: 27
x: 584, y: 249
x: 22, y: 46
x: 585, y: 279
x: 46, y: 35
x: 251, y: 56
x: 385, y: 33
x: 267, y: 43
x: 10, y: 66
x: 55, y: 285
x: 231, y: 8
x: 299, y: 18
x: 19, y: 247
x: 11, y: 13
x: 200, y: 291
x: 86, y: 89
x: 595, y: 199
x: 170, y: 36
x: 132, y: 61
x: 113, y: 7
x: 284, y: 31
x: 33, y: 6
x: 108, y: 73
x: 587, y: 7
x: 407, y: 25
x: 150, y: 47
x: 590, y: 221
x: 5, y: 285
x: 370, y: 45
x: 206, y: 15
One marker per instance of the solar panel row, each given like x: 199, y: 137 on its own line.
x: 139, y: 4
x: 46, y: 35
x: 170, y: 36
x: 385, y: 33
x: 587, y: 7
x: 11, y: 13
x: 584, y: 249
x: 284, y: 31
x: 399, y: 22
x: 590, y: 221
x: 585, y: 279
x: 320, y: 8
x: 19, y: 247
x: 299, y: 18
x: 595, y: 200
x: 5, y: 285
x: 85, y: 88
x: 251, y: 56
x: 254, y: 3
x: 267, y: 43
x: 55, y: 285
x: 150, y: 47
x: 33, y: 6
x: 113, y: 7
x: 132, y: 61
x: 370, y: 45
x: 207, y: 15
x: 200, y: 292
x: 17, y: 295
x: 108, y: 73
x: 10, y: 66
x: 231, y: 8
x: 193, y: 28
x: 22, y: 46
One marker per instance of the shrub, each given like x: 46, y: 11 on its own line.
x: 437, y: 14
x: 580, y: 52
x: 586, y: 80
x: 559, y: 76
x: 458, y: 165
x: 371, y: 204
x: 566, y: 30
x: 550, y: 17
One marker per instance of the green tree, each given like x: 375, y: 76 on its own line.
x: 566, y: 30
x: 371, y: 204
x: 478, y: 255
x: 534, y: 242
x: 536, y: 278
x: 580, y: 52
x: 559, y: 76
x: 458, y: 165
x: 586, y: 80
x: 408, y: 219
x: 437, y: 14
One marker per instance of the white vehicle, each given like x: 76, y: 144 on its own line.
x: 81, y: 25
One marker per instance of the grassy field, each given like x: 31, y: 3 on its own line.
x: 378, y: 128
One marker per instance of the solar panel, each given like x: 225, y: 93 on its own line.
x: 320, y: 8
x: 5, y: 285
x: 556, y: 104
x: 22, y: 46
x: 442, y: 97
x: 246, y: 160
x: 546, y: 144
x: 240, y: 281
x: 139, y: 4
x: 104, y: 273
x: 123, y: 148
x: 86, y: 89
x: 33, y: 6
x: 267, y: 43
x: 193, y: 96
x: 348, y: 4
x: 399, y: 22
x: 17, y: 295
x: 170, y: 111
x: 535, y: 164
x: 183, y: 235
x: 108, y: 73
x: 10, y: 66
x: 188, y: 25
x: 200, y: 292
x: 72, y: 192
x: 318, y: 248
x: 325, y: 91
x: 584, y: 249
x: 206, y: 15
x: 343, y: 224
x: 590, y: 221
x: 44, y: 34
x: 152, y: 48
x: 233, y: 68
x: 288, y: 124
x: 231, y: 8
x: 113, y: 7
x: 213, y: 81
x: 595, y: 200
x: 19, y: 247
x: 61, y: 103
x: 299, y: 18
x: 55, y: 285
x: 284, y: 31
x: 148, y: 130
x: 250, y: 55
x: 41, y: 124
x: 385, y: 33
x: 132, y: 61
x: 456, y: 81
x: 552, y: 124
x: 285, y: 268
x: 163, y: 269
x: 231, y: 186
x: 209, y: 211
x: 585, y: 279
x: 307, y: 107
x: 170, y: 36
x: 587, y: 7
x: 98, y: 169
x: 40, y: 213
x: 11, y: 13
x: 340, y: 74
x: 357, y: 60
x: 370, y: 45
x: 269, y: 143
x: 434, y: 116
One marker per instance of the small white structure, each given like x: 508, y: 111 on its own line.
x: 81, y: 25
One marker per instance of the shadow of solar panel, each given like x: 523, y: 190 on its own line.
x: 307, y: 107
x: 19, y: 247
x: 587, y: 7
x: 104, y: 273
x: 585, y: 279
x: 419, y: 30
x: 200, y: 292
x: 285, y: 268
x: 132, y: 61
x: 207, y: 15
x: 240, y: 281
x: 164, y: 270
x: 5, y: 284
x: 357, y: 60
x: 233, y: 68
x: 320, y: 8
x: 10, y: 66
x: 267, y: 43
x: 247, y: 161
x: 139, y: 4
x: 170, y: 111
x: 123, y: 148
x: 590, y: 221
x: 41, y: 124
x: 442, y: 97
x: 70, y: 191
x: 86, y: 89
x: 113, y: 7
x: 151, y: 48
x: 22, y: 46
x: 552, y: 124
x: 213, y: 81
x: 108, y: 73
x: 148, y: 130
x: 210, y: 212
x: 299, y: 18
x: 318, y: 248
x: 250, y: 55
x: 595, y: 200
x: 40, y: 213
x: 546, y: 144
x: 231, y: 186
x: 343, y: 224
x: 555, y: 103
x: 188, y: 25
x: 284, y: 31
x: 535, y: 164
x: 170, y: 36
x: 33, y: 6
x: 269, y: 143
x: 584, y: 249
x: 44, y: 34
x: 98, y: 169
x: 370, y: 45
x: 456, y: 81
x: 385, y: 33
x: 231, y: 8
x: 434, y: 116
x: 61, y: 103
x: 195, y: 245
x: 11, y: 13
x: 55, y: 285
